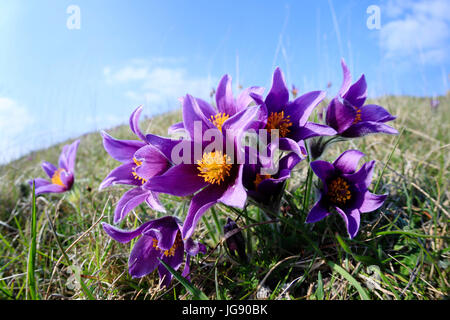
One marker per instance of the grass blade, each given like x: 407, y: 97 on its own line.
x: 197, y: 294
x: 349, y: 278
x: 31, y: 277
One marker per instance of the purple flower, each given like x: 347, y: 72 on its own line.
x: 160, y: 239
x: 345, y: 190
x: 61, y: 177
x: 434, y: 103
x: 350, y: 117
x: 226, y: 105
x: 291, y: 117
x: 214, y: 175
x: 263, y: 186
x: 140, y: 161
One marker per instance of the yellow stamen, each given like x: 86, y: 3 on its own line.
x: 277, y: 120
x: 338, y: 191
x: 56, y: 178
x: 358, y: 115
x: 219, y: 119
x: 260, y: 178
x: 135, y: 175
x: 171, y: 252
x: 214, y: 167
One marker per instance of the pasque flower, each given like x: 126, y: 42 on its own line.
x: 350, y: 117
x: 211, y: 176
x: 345, y: 190
x: 140, y: 161
x: 159, y: 239
x: 61, y: 177
x: 262, y: 185
x: 226, y: 105
x: 290, y: 118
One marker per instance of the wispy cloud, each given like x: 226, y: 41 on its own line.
x: 14, y: 120
x: 418, y: 31
x: 157, y: 81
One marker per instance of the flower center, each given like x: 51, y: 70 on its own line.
x: 358, y: 115
x: 260, y: 178
x: 277, y: 120
x: 56, y: 178
x: 338, y: 191
x: 219, y: 119
x: 135, y: 175
x: 214, y: 167
x: 171, y: 252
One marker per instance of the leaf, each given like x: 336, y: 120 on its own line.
x: 197, y: 294
x: 349, y: 278
x: 31, y: 277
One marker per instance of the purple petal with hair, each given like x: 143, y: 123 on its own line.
x: 347, y: 79
x: 134, y: 123
x: 373, y: 112
x: 245, y: 98
x: 130, y: 200
x: 49, y: 168
x: 318, y: 212
x: 347, y: 162
x: 300, y: 109
x: 175, y: 128
x: 339, y: 115
x: 361, y: 129
x: 180, y: 180
x: 143, y: 257
x: 372, y: 202
x: 124, y: 236
x: 278, y: 96
x: 121, y: 150
x: 323, y: 169
x: 201, y: 202
x: 120, y: 175
x: 311, y: 129
x: 357, y: 93
x: 224, y: 97
x: 352, y: 221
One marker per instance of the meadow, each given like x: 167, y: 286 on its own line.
x: 60, y: 251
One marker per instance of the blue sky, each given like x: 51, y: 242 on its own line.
x: 57, y: 83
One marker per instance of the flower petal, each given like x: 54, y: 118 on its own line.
x: 347, y: 162
x: 363, y: 177
x: 352, y: 221
x: 124, y: 236
x: 130, y: 200
x: 134, y: 123
x: 340, y: 116
x: 235, y: 194
x: 311, y: 129
x: 364, y: 128
x: 318, y: 212
x: 120, y: 175
x: 180, y: 180
x: 373, y: 112
x: 278, y: 96
x: 143, y: 257
x: 176, y: 128
x: 49, y: 168
x: 347, y: 79
x: 201, y: 202
x: 300, y: 109
x: 71, y: 155
x: 372, y: 202
x: 153, y: 162
x: 50, y: 188
x: 245, y: 97
x: 323, y: 169
x: 357, y: 93
x: 193, y: 118
x: 224, y: 97
x: 120, y: 150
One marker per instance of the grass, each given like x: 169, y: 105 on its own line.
x: 59, y: 250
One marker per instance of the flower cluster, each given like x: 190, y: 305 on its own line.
x: 233, y: 151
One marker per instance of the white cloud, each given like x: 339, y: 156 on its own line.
x: 158, y: 81
x: 14, y: 120
x: 419, y: 31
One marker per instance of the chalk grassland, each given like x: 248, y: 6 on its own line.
x: 401, y: 252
